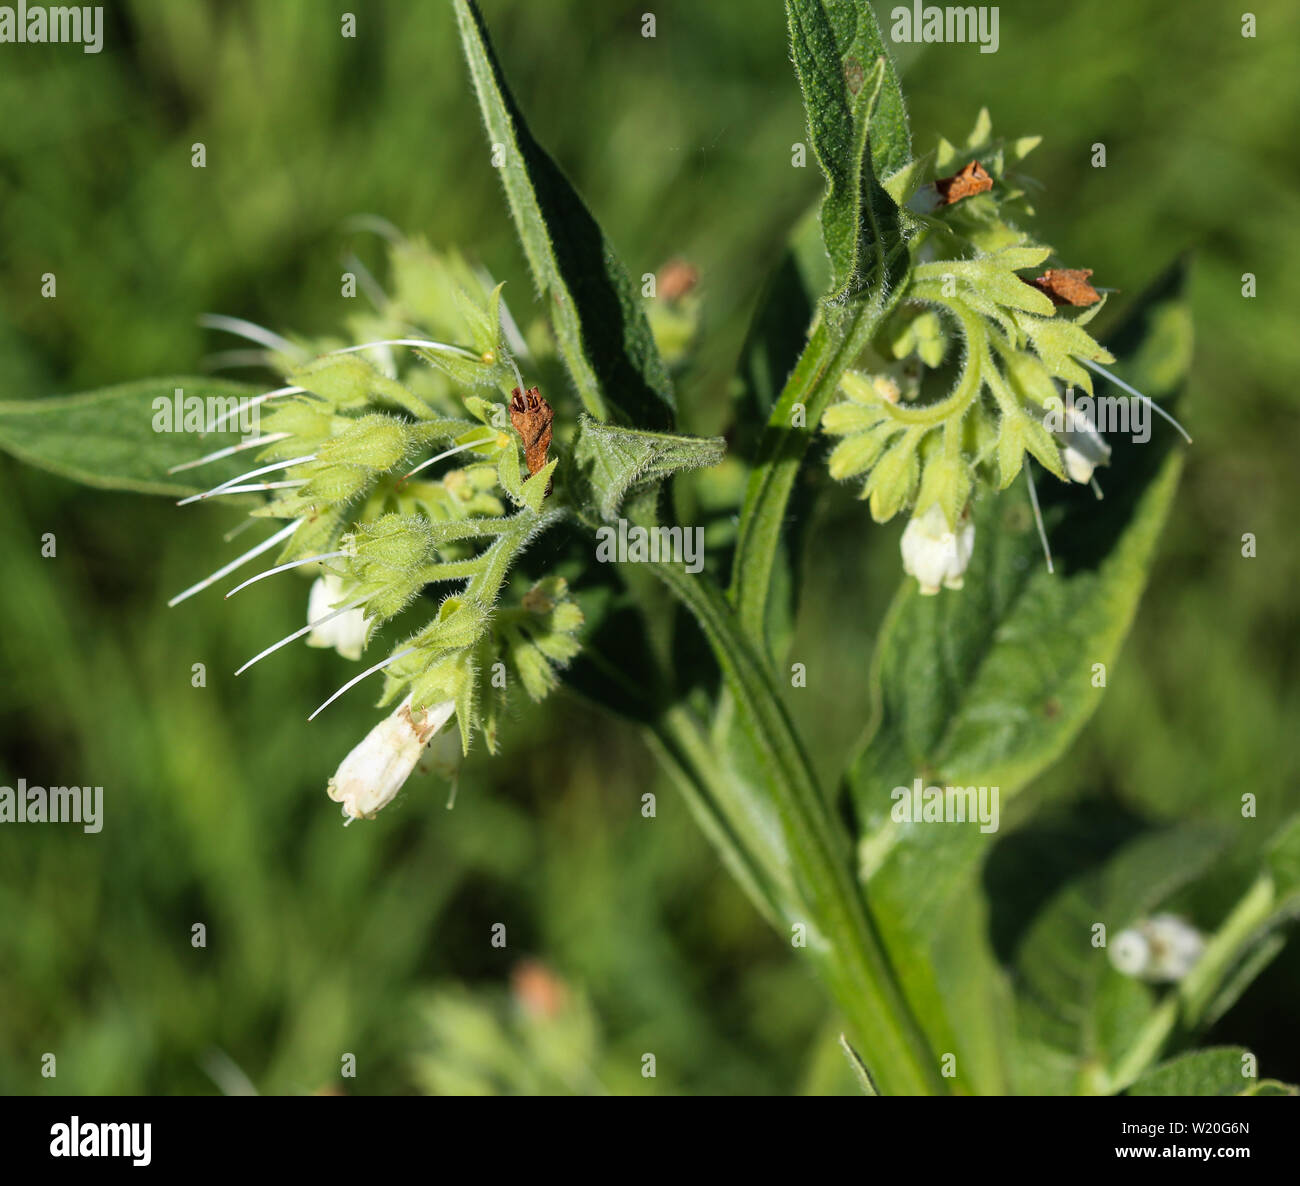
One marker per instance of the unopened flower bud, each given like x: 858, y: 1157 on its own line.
x: 1163, y: 948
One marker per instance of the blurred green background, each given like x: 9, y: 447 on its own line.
x: 624, y: 934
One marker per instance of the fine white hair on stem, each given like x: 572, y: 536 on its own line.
x: 1155, y: 407
x: 270, y: 572
x: 288, y: 638
x: 251, y: 488
x: 1096, y: 489
x: 250, y: 330
x: 230, y: 450
x: 1038, y: 517
x: 265, y: 546
x: 447, y: 347
x: 356, y: 679
x: 252, y: 403
x: 252, y: 473
x: 447, y: 453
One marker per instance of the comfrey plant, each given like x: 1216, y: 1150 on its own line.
x: 480, y: 507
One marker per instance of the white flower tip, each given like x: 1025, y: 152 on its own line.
x: 1078, y: 466
x: 369, y: 778
x: 934, y: 553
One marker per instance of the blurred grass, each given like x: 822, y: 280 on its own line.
x: 322, y: 941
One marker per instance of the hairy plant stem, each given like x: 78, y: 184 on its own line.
x: 833, y: 345
x: 850, y: 954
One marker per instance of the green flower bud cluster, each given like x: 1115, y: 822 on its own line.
x: 951, y: 393
x: 472, y: 655
x: 350, y: 449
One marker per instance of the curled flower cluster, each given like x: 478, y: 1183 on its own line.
x: 926, y: 426
x: 346, y: 453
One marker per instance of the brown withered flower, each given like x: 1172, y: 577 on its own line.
x: 1067, y: 286
x: 964, y: 184
x: 531, y: 416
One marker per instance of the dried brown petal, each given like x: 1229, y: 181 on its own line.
x: 971, y: 180
x: 532, y: 415
x: 1067, y: 286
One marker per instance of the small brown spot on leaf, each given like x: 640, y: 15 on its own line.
x: 1067, y: 286
x: 1052, y: 709
x: 853, y: 75
x: 969, y: 181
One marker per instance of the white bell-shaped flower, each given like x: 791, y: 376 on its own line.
x: 378, y: 766
x: 934, y: 553
x: 345, y: 632
x: 1083, y: 447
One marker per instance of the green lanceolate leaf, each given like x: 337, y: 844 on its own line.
x: 988, y: 685
x: 595, y: 308
x: 609, y: 462
x: 127, y: 437
x: 858, y: 125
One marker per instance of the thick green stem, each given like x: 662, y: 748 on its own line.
x: 812, y: 385
x: 851, y: 955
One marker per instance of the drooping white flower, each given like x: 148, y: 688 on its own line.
x: 346, y: 633
x: 378, y: 766
x: 934, y: 553
x: 1163, y: 948
x: 1084, y: 448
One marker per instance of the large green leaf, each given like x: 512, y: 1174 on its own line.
x: 595, y: 308
x: 608, y: 463
x: 858, y: 123
x: 108, y: 438
x: 987, y: 686
x: 1216, y: 1071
